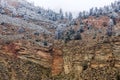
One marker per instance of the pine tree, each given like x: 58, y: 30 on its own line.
x: 96, y: 11
x: 3, y: 3
x: 91, y: 11
x: 66, y: 15
x: 70, y: 16
x: 61, y: 14
x: 80, y: 15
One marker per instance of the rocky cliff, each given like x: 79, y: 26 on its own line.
x: 75, y: 60
x: 29, y: 51
x: 98, y: 61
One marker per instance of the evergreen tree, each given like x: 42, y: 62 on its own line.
x: 96, y: 12
x: 66, y: 15
x: 58, y: 34
x: 77, y: 36
x: 91, y: 11
x: 80, y: 15
x: 70, y: 16
x: 61, y: 14
x: 3, y: 3
x: 100, y: 11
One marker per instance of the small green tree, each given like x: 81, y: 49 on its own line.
x: 45, y: 43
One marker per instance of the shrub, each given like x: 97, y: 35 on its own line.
x: 77, y: 36
x: 109, y: 31
x: 104, y: 24
x: 45, y: 43
x: 36, y: 33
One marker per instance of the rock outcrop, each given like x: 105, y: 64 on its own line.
x: 28, y: 50
x: 98, y: 61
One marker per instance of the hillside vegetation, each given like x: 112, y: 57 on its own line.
x: 39, y: 44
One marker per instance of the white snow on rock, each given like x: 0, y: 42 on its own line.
x: 23, y: 23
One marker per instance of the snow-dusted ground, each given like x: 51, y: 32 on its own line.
x: 21, y: 23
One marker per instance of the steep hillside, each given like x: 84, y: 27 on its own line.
x: 27, y: 11
x: 37, y: 44
x: 91, y: 60
x: 75, y: 60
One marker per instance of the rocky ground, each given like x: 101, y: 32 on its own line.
x: 24, y: 58
x: 24, y: 55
